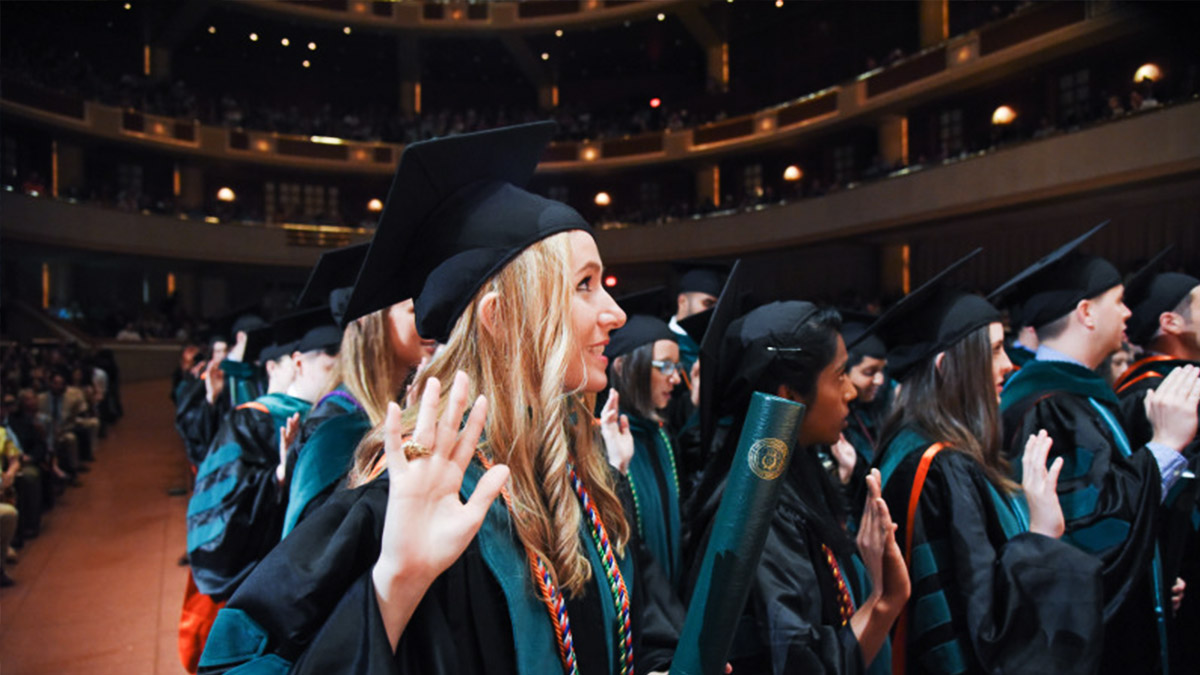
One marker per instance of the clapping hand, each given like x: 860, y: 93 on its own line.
x: 881, y: 553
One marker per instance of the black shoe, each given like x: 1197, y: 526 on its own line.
x: 5, y: 580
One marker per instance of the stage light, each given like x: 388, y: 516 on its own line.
x: 225, y: 195
x: 346, y: 30
x: 655, y: 102
x: 602, y: 199
x: 779, y: 3
x: 374, y: 206
x: 128, y: 6
x: 254, y: 37
x: 306, y: 63
x: 312, y: 46
x: 1004, y: 115
x: 545, y: 56
x: 285, y: 42
x: 589, y: 154
x: 610, y: 281
x: 792, y: 173
x: 662, y: 17
x: 558, y: 33
x: 1148, y: 73
x: 212, y: 30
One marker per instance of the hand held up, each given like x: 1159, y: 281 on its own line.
x: 614, y: 429
x: 1041, y: 486
x: 1171, y: 407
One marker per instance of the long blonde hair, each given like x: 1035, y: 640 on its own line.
x: 368, y: 367
x: 533, y: 426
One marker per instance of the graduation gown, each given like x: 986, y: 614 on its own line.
x: 196, y: 419
x: 1019, y: 356
x: 988, y: 596
x: 792, y: 620
x: 323, y: 453
x: 310, y: 605
x: 1109, y: 492
x: 235, y: 514
x: 655, y: 488
x: 1142, y: 377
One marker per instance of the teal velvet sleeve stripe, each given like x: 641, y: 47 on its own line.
x: 1079, y: 503
x: 929, y: 612
x: 211, y: 496
x: 271, y: 664
x: 199, y: 536
x: 224, y: 455
x: 927, y: 559
x: 234, y: 638
x: 1100, y: 537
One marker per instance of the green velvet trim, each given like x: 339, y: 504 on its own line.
x: 1050, y: 376
x: 234, y: 638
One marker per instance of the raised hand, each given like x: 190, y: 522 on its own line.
x: 238, y: 351
x: 1171, y: 407
x: 846, y: 457
x: 1177, y: 591
x: 287, y: 435
x: 1041, y: 486
x: 427, y: 527
x: 214, y: 381
x: 614, y: 429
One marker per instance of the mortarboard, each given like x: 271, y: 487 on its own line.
x: 332, y: 279
x: 260, y: 345
x: 226, y: 326
x: 1051, y: 287
x: 701, y: 278
x: 638, y: 330
x: 455, y: 215
x: 931, y: 319
x: 859, y: 340
x: 308, y: 330
x: 1149, y: 293
x: 727, y: 308
x: 696, y: 325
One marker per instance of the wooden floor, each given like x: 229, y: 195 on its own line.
x: 100, y: 590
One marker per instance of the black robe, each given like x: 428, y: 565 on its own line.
x: 1142, y: 377
x: 988, y: 596
x: 310, y: 605
x: 1109, y: 495
x: 196, y: 419
x: 236, y: 512
x: 792, y: 621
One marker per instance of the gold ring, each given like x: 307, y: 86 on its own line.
x: 413, y: 450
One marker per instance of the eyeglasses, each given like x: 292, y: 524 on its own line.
x: 667, y: 367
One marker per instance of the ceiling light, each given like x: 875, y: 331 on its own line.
x: 545, y: 56
x: 225, y: 195
x: 212, y: 30
x: 346, y: 30
x: 285, y: 42
x: 662, y: 17
x: 254, y: 37
x: 306, y: 63
x: 602, y: 199
x: 558, y: 33
x: 312, y: 46
x: 1003, y: 115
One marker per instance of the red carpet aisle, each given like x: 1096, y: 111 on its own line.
x: 99, y: 591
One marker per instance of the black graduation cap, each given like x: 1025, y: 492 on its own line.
x: 308, y: 330
x: 727, y: 308
x: 696, y: 325
x: 332, y: 279
x: 650, y: 302
x: 455, y: 215
x: 259, y: 345
x: 1051, y: 287
x: 1149, y: 293
x: 639, y: 329
x: 931, y: 319
x: 226, y: 326
x: 859, y: 340
x: 701, y: 277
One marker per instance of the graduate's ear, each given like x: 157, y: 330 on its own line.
x: 1170, y: 323
x: 937, y: 360
x: 618, y: 363
x: 488, y: 307
x: 1083, y: 311
x: 784, y: 391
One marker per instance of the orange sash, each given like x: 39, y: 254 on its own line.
x: 195, y: 621
x: 900, y: 643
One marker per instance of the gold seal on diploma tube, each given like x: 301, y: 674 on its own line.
x: 767, y: 458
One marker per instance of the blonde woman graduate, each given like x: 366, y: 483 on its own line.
x: 420, y: 568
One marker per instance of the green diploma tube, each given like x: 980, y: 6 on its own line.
x: 739, y: 532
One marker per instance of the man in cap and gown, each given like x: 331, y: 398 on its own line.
x: 1166, y: 324
x: 1109, y: 489
x: 455, y: 216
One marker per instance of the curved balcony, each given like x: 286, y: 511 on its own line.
x: 996, y: 51
x: 483, y: 19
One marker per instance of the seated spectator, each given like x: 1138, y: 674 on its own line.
x: 65, y: 409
